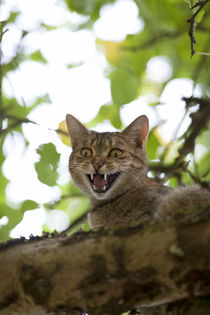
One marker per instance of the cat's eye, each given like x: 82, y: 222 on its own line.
x: 86, y: 152
x: 115, y: 153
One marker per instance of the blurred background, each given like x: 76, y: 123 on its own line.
x: 106, y: 63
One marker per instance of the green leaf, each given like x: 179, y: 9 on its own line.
x: 37, y: 56
x: 87, y: 7
x: 107, y: 112
x: 42, y: 99
x: 14, y: 217
x: 29, y: 205
x: 152, y: 145
x: 204, y: 139
x: 13, y: 108
x: 14, y: 63
x: 173, y: 182
x: 46, y: 168
x: 199, y: 16
x: 186, y: 179
x: 77, y: 208
x: 3, y: 180
x: 124, y: 86
x: 13, y: 16
x: 73, y: 189
x: 204, y: 166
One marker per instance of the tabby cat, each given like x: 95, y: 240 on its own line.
x: 111, y: 168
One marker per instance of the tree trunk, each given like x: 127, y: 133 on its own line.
x: 110, y: 271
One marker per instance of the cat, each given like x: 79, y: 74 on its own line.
x: 111, y: 169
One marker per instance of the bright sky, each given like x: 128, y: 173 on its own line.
x: 79, y: 90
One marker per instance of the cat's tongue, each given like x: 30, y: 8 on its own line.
x: 99, y: 182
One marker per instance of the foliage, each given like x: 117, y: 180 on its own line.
x: 46, y: 168
x: 170, y: 30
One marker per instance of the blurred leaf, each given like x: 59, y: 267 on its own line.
x: 200, y: 16
x: 13, y: 108
x: 13, y: 16
x: 107, y: 112
x: 113, y: 51
x: 42, y: 99
x: 70, y: 188
x: 62, y: 132
x: 87, y: 7
x: 124, y: 86
x: 73, y: 189
x: 154, y: 103
x: 3, y: 180
x: 77, y: 208
x: 46, y: 168
x: 14, y: 63
x: 71, y: 66
x: 153, y: 144
x: 172, y: 182
x: 204, y: 139
x: 84, y: 226
x: 186, y: 179
x: 49, y: 27
x: 172, y: 151
x: 37, y: 56
x: 15, y: 114
x: 204, y: 166
x: 3, y: 185
x: 28, y: 205
x: 14, y: 217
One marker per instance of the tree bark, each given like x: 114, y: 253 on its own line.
x: 110, y: 271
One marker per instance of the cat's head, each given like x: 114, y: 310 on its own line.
x: 104, y: 165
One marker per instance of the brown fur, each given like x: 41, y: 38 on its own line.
x: 133, y: 197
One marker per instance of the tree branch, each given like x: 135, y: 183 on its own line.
x: 200, y: 5
x: 200, y: 119
x: 153, y: 40
x: 109, y: 271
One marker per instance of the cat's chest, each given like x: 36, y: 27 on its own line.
x: 133, y: 207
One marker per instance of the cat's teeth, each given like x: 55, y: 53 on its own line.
x: 104, y: 188
x: 94, y: 187
x: 105, y: 177
x: 91, y: 176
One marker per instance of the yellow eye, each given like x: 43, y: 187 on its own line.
x: 115, y: 153
x: 86, y: 152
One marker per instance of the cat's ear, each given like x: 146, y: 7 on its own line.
x: 76, y: 129
x: 138, y: 130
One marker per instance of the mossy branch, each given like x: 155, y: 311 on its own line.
x: 109, y: 271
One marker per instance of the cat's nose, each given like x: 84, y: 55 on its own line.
x: 97, y: 164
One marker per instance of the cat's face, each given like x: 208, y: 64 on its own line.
x: 104, y: 165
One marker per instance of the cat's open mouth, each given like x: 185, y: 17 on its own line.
x: 102, y: 182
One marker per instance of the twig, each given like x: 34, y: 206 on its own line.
x: 197, y: 4
x: 60, y: 131
x: 199, y: 121
x: 191, y: 32
x: 17, y: 121
x: 197, y: 180
x: 152, y: 41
